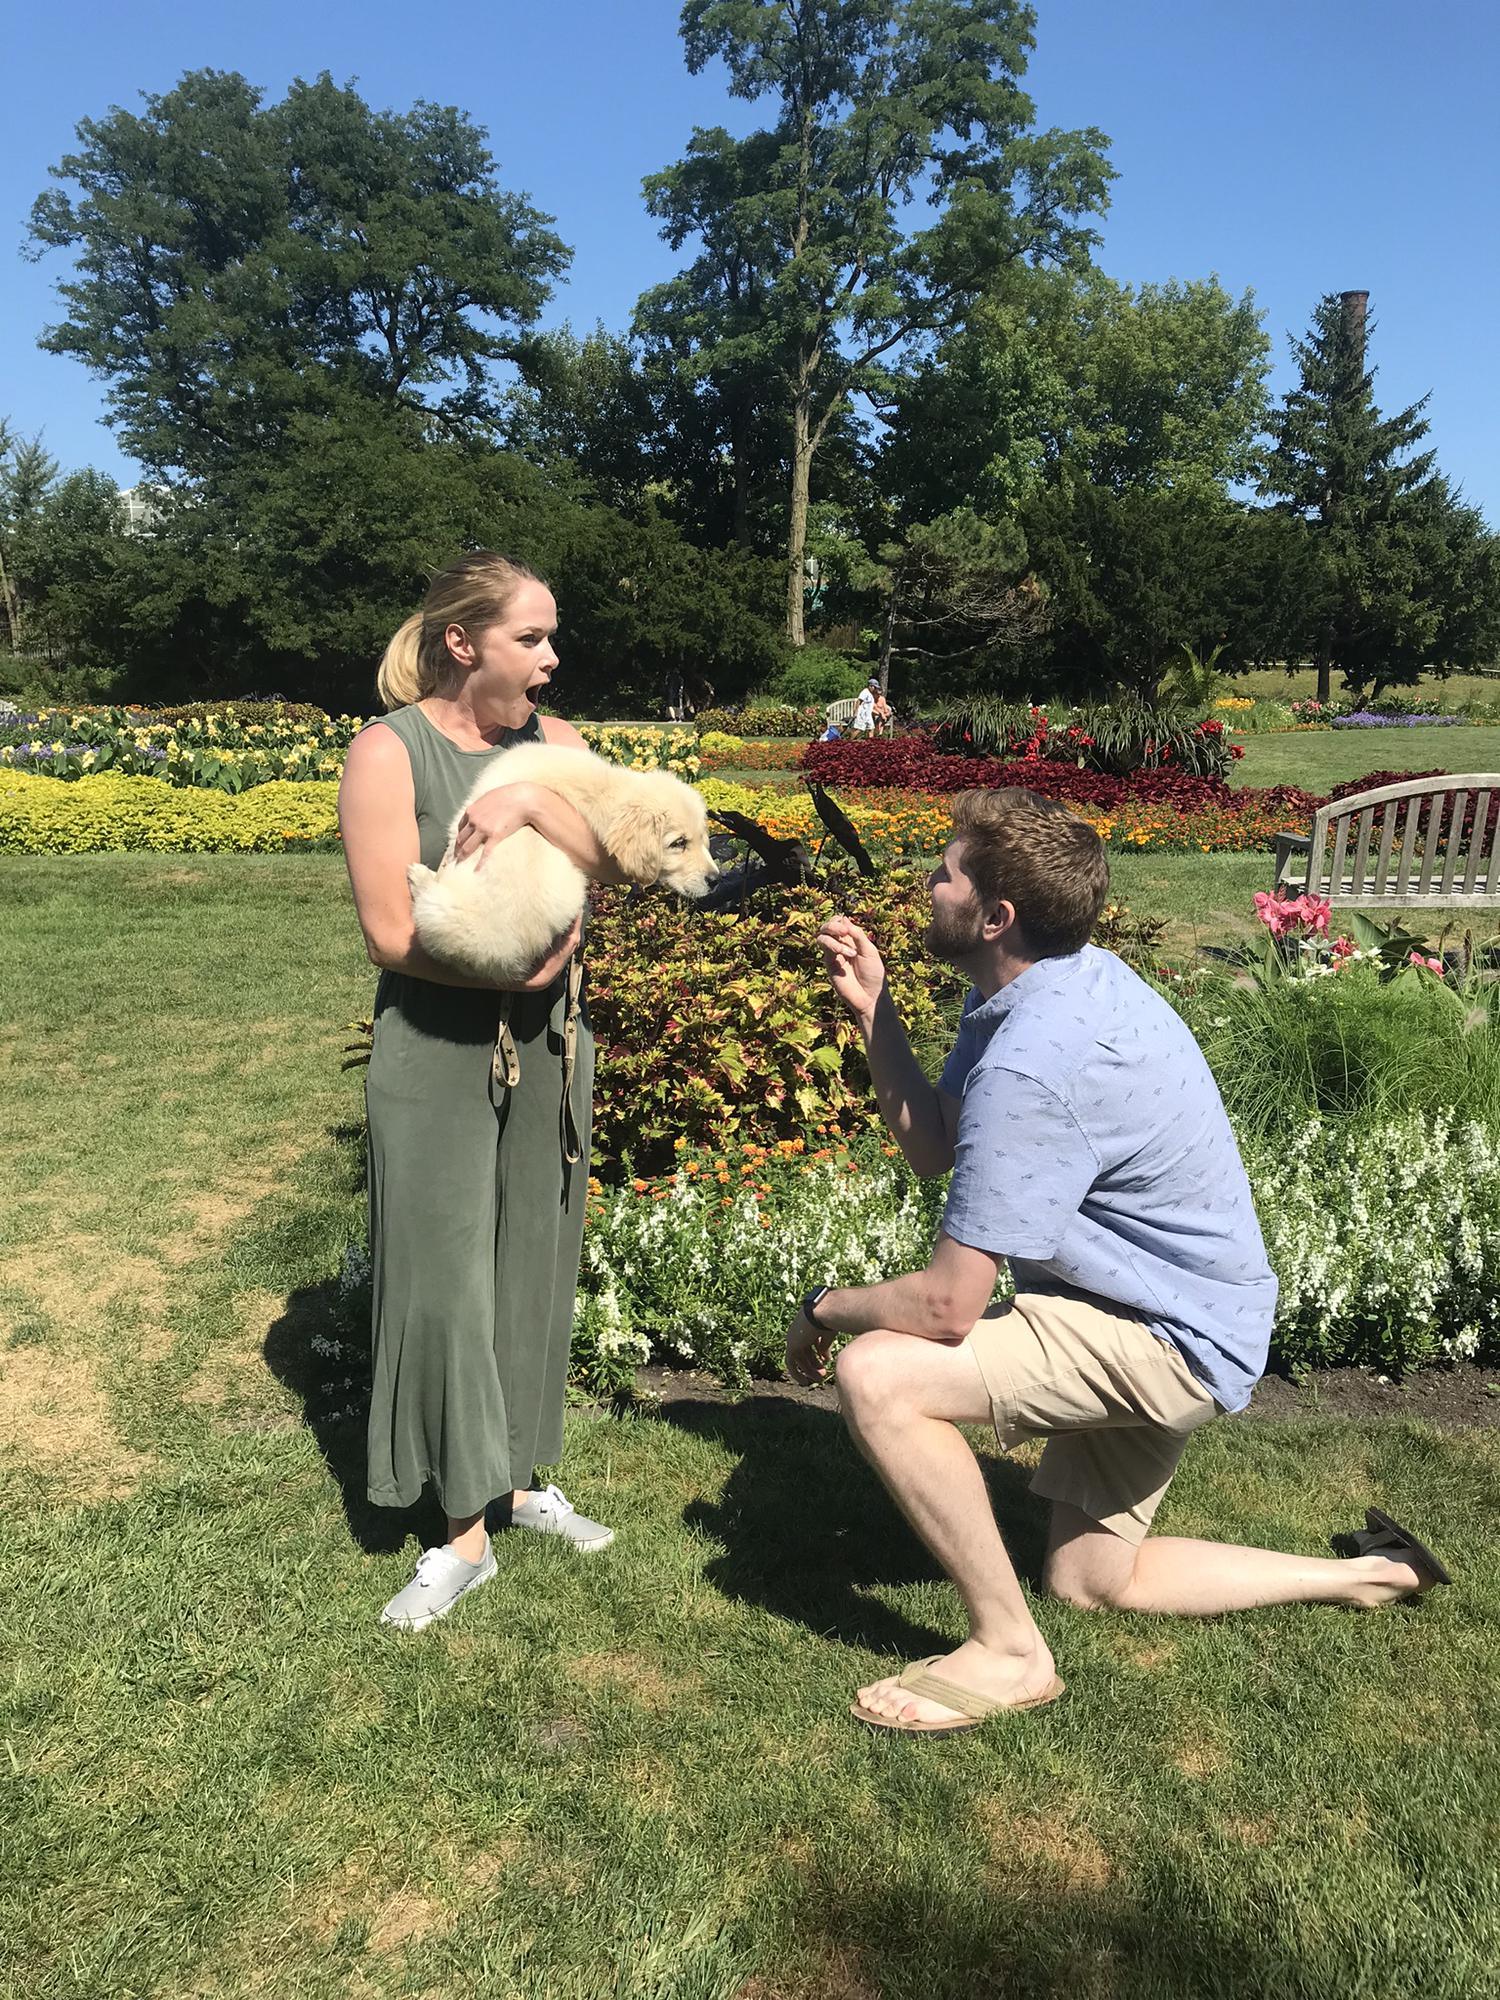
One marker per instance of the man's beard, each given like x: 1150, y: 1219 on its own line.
x: 953, y: 934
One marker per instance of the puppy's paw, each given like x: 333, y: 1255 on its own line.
x: 419, y: 879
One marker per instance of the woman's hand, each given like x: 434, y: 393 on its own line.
x: 554, y: 962
x: 854, y: 966
x: 494, y: 816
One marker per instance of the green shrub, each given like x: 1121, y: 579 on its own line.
x: 763, y: 719
x: 816, y: 676
x: 716, y: 1029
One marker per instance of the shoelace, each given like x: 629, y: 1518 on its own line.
x: 553, y: 1499
x: 427, y: 1564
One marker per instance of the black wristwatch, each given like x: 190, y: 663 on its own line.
x: 810, y: 1307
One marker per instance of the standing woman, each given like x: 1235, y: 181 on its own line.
x: 478, y: 1097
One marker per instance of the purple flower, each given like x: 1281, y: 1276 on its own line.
x: 1364, y: 718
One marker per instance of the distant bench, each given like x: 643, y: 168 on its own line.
x: 1428, y: 841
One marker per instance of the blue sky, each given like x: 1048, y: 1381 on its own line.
x: 1294, y: 147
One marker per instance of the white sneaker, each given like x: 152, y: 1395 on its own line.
x: 442, y: 1578
x: 551, y: 1512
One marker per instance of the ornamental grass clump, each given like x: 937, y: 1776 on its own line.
x: 1357, y: 1028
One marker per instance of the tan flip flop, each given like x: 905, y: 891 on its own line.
x: 919, y: 1680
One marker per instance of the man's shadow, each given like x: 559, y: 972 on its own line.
x: 809, y: 1532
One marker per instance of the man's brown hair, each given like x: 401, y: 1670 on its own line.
x: 1031, y: 852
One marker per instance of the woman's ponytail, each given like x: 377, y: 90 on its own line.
x: 399, y: 681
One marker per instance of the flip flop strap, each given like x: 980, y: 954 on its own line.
x: 965, y: 1701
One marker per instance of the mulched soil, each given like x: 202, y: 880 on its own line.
x: 1463, y: 1397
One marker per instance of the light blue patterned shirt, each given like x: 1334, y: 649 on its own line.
x: 1094, y: 1152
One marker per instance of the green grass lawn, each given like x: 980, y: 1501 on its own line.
x: 1319, y: 759
x: 635, y: 1776
x: 1456, y: 691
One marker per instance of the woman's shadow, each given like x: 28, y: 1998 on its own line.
x: 334, y: 1393
x: 807, y: 1530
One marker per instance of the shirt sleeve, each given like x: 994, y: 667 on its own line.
x: 1022, y: 1170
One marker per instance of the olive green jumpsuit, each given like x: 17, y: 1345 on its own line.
x: 476, y: 1208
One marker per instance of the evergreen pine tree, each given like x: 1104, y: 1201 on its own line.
x: 1390, y: 532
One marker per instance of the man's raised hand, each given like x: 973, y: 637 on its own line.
x: 854, y: 966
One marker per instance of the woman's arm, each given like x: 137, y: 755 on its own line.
x: 495, y: 815
x: 378, y: 822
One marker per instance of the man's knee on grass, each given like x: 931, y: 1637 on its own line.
x: 1087, y: 1565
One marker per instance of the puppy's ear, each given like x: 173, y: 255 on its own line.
x: 635, y: 841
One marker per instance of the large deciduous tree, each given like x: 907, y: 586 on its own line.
x: 1161, y: 386
x: 808, y: 280
x: 240, y: 264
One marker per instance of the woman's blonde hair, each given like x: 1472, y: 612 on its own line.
x: 472, y: 592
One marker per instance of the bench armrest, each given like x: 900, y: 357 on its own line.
x: 1288, y: 845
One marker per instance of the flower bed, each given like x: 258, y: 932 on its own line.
x: 913, y: 763
x: 1364, y: 718
x: 778, y: 756
x: 1386, y: 1242
x: 644, y: 749
x: 228, y: 749
x: 111, y: 813
x: 235, y: 747
x: 771, y: 720
x: 709, y: 1030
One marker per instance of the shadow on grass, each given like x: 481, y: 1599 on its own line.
x: 316, y: 1313
x: 1048, y: 1937
x: 809, y: 1532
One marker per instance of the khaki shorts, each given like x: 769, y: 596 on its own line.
x: 1115, y: 1401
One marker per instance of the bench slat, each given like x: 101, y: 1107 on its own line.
x: 1408, y: 846
x: 1366, y: 825
x: 1455, y: 838
x: 1430, y: 843
x: 1478, y: 867
x: 1387, y: 835
x: 1336, y: 867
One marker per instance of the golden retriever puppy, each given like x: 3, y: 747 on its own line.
x: 498, y: 922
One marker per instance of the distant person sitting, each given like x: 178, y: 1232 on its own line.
x: 885, y: 721
x: 864, y: 710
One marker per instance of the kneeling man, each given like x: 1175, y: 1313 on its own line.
x: 1090, y: 1148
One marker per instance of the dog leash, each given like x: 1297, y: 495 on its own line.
x: 505, y: 1063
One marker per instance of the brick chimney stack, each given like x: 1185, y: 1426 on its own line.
x: 1356, y: 305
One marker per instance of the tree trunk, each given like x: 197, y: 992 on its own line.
x: 12, y: 606
x: 796, y: 535
x: 739, y: 452
x: 888, y: 642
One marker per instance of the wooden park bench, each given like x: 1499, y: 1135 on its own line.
x: 1425, y: 842
x: 839, y: 714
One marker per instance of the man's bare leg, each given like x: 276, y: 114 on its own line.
x: 1089, y: 1566
x: 902, y: 1399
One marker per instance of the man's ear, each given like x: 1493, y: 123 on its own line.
x: 635, y: 841
x: 1001, y: 921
